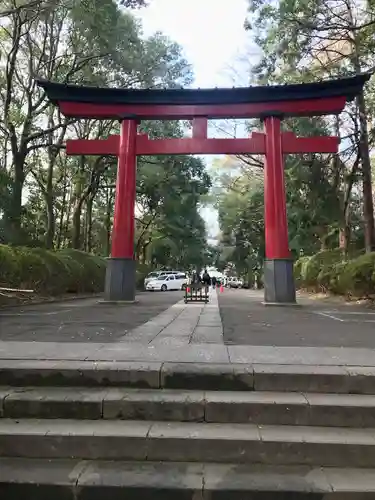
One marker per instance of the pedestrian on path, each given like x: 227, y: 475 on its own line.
x: 214, y: 281
x: 206, y: 279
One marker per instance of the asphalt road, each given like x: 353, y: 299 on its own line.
x: 327, y: 323
x: 82, y: 320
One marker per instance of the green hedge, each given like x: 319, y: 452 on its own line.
x: 312, y: 266
x: 51, y: 273
x: 329, y: 272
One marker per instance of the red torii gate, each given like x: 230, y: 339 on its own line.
x: 271, y: 104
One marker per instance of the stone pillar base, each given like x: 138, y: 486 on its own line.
x: 120, y: 280
x: 279, y: 287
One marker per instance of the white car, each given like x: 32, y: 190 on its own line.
x: 156, y: 274
x: 235, y: 282
x: 170, y: 282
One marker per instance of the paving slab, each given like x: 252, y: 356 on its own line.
x: 80, y: 373
x: 178, y: 326
x: 207, y: 334
x: 164, y: 404
x: 187, y: 441
x: 235, y: 480
x: 261, y: 408
x: 87, y: 480
x: 157, y: 481
x: 194, y: 353
x: 39, y: 479
x: 210, y: 376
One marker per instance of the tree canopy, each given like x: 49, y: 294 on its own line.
x: 329, y: 197
x: 50, y: 200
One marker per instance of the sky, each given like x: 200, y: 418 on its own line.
x: 213, y: 40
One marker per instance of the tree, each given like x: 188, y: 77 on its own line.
x: 11, y: 7
x: 70, y: 200
x: 305, y: 41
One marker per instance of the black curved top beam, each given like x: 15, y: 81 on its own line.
x: 348, y: 87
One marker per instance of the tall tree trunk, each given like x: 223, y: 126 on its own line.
x: 76, y: 223
x: 77, y: 207
x: 345, y: 231
x: 67, y: 233
x: 88, y: 232
x: 49, y: 198
x: 108, y: 220
x: 368, y: 206
x: 15, y: 215
x: 60, y: 235
x: 50, y: 232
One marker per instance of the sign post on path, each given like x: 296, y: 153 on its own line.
x: 270, y: 103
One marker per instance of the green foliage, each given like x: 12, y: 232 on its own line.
x: 328, y: 271
x: 319, y: 262
x: 70, y: 201
x: 357, y: 278
x: 51, y: 273
x: 300, y: 269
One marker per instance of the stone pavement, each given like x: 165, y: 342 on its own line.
x: 170, y: 411
x: 318, y: 323
x: 82, y: 320
x: 192, y: 333
x: 180, y: 325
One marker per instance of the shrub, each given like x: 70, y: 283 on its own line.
x: 86, y: 271
x: 357, y: 277
x: 333, y: 279
x: 8, y: 266
x: 299, y: 269
x: 318, y: 263
x: 57, y: 271
x: 51, y: 273
x: 32, y: 269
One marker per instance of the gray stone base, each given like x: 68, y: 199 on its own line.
x: 120, y: 280
x: 279, y: 287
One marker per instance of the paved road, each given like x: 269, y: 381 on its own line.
x: 327, y: 323
x: 81, y: 320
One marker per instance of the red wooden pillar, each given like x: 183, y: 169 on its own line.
x: 120, y: 278
x: 278, y: 267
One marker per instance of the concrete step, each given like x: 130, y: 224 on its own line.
x: 189, y: 442
x: 91, y: 480
x: 204, y: 376
x: 282, y: 408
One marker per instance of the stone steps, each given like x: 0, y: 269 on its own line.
x: 279, y: 408
x: 187, y: 442
x: 204, y: 376
x: 77, y: 430
x: 86, y: 480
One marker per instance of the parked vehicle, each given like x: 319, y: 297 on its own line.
x: 234, y: 282
x: 156, y: 274
x: 168, y: 282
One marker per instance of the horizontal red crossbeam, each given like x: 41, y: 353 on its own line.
x: 300, y: 145
x: 95, y: 147
x: 312, y: 107
x: 254, y: 145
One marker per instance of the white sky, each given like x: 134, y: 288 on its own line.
x: 214, y: 41
x: 210, y: 31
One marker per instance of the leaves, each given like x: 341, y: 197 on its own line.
x: 70, y: 200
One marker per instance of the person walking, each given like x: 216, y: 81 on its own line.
x: 206, y: 279
x: 213, y: 281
